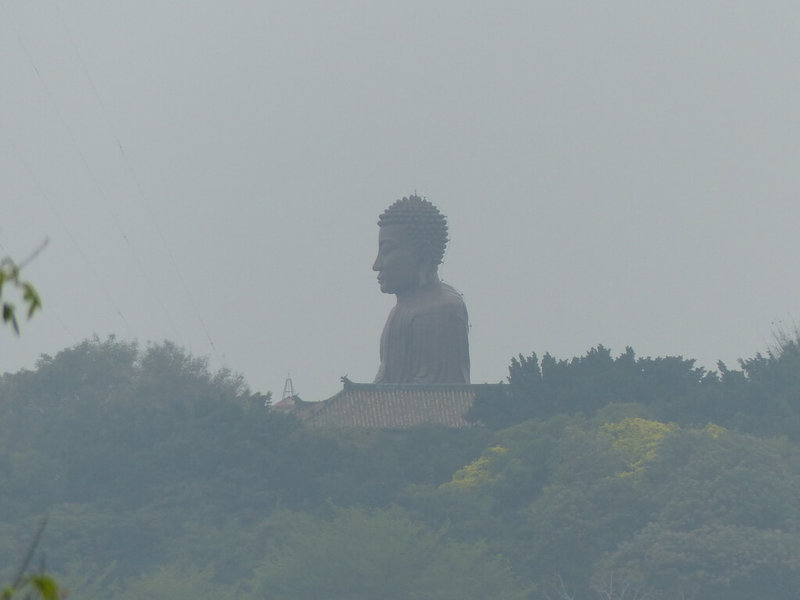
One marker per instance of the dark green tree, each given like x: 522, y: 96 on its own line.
x: 360, y: 555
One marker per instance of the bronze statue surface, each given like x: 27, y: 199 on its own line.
x: 425, y: 339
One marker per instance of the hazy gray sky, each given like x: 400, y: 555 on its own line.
x: 623, y: 173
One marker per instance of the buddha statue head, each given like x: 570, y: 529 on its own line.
x: 411, y: 245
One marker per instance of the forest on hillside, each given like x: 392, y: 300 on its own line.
x: 598, y: 477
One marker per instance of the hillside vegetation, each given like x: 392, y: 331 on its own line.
x: 598, y: 477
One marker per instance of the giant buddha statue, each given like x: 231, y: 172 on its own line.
x: 425, y: 339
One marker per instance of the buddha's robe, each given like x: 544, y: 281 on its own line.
x: 425, y: 339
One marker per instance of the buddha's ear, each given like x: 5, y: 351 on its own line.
x: 424, y: 251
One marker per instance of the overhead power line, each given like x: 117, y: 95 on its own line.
x: 136, y: 181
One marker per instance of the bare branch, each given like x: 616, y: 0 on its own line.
x: 559, y: 589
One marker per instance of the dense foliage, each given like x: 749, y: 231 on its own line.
x: 763, y: 397
x: 594, y: 478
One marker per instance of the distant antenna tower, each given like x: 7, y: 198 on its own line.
x: 288, y: 388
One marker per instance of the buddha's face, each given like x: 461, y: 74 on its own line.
x: 400, y: 261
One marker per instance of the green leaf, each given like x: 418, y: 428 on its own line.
x: 9, y: 316
x: 30, y: 296
x: 46, y: 586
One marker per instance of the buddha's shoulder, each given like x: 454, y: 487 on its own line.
x: 447, y: 294
x: 442, y: 298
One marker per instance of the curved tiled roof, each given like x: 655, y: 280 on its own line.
x: 392, y: 406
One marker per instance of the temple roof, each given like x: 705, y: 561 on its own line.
x: 389, y: 406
